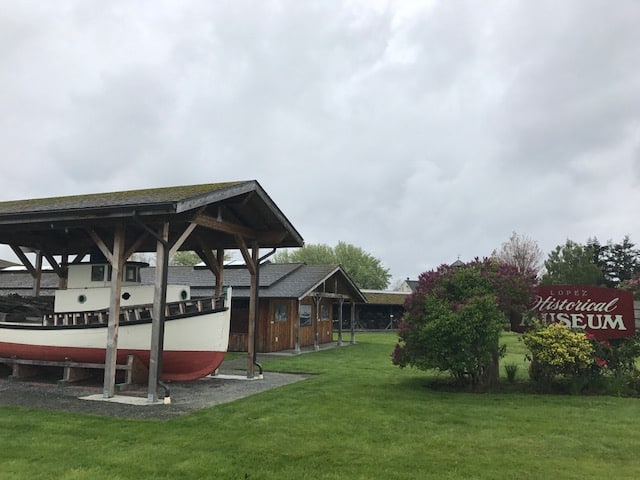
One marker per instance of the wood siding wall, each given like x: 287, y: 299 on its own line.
x: 277, y: 319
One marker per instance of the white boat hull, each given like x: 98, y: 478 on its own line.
x: 194, y: 344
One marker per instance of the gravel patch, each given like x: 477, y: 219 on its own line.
x: 230, y: 385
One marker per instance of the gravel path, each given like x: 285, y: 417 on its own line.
x: 230, y: 385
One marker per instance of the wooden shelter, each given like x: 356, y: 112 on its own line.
x: 204, y: 218
x: 383, y: 310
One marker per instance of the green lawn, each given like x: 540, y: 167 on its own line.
x: 358, y: 418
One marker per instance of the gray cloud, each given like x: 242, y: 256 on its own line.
x: 419, y: 131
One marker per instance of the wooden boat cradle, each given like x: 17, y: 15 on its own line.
x: 135, y: 371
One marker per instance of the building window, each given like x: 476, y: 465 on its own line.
x: 324, y: 311
x: 305, y: 315
x: 280, y: 312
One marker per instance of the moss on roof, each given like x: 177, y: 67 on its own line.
x: 385, y: 297
x: 112, y: 199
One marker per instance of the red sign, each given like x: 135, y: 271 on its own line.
x: 604, y: 312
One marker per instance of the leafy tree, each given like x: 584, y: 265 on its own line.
x: 618, y: 261
x: 454, y: 318
x: 185, y: 258
x: 571, y: 263
x: 593, y: 264
x: 522, y: 252
x: 364, y: 269
x: 312, y: 254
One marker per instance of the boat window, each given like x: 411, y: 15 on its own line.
x: 131, y: 273
x: 82, y: 298
x: 97, y: 273
x: 280, y: 312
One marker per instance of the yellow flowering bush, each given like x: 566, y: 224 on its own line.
x: 555, y: 350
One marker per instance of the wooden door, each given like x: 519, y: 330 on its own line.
x: 281, y: 322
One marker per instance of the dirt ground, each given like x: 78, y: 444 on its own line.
x: 43, y: 392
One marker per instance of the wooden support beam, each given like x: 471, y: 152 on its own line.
x: 316, y: 329
x: 137, y: 372
x: 78, y: 258
x: 253, y: 310
x: 246, y: 255
x: 21, y: 370
x: 60, y: 271
x: 158, y: 315
x: 219, y: 272
x: 100, y: 243
x: 117, y: 263
x: 341, y: 302
x: 296, y: 331
x: 64, y: 272
x: 74, y: 374
x: 224, y: 226
x: 134, y: 247
x: 182, y: 238
x: 23, y: 258
x: 214, y: 262
x: 208, y: 258
x: 38, y: 276
x: 353, y: 323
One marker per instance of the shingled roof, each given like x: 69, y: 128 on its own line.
x: 59, y: 225
x: 277, y: 280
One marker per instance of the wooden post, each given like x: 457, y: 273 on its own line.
x: 353, y: 323
x: 159, y: 307
x: 117, y: 262
x: 340, y: 302
x: 62, y: 270
x: 316, y: 344
x: 220, y: 274
x: 253, y: 312
x: 296, y: 331
x: 38, y: 277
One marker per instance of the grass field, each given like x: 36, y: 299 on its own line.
x: 359, y: 417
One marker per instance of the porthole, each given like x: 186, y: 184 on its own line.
x: 82, y: 298
x: 126, y: 296
x: 184, y: 294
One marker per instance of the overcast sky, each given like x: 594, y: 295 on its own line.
x: 418, y: 131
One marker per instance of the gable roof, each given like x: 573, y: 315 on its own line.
x: 412, y: 284
x: 59, y: 225
x: 276, y: 280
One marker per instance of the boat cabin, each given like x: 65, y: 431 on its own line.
x: 89, y: 288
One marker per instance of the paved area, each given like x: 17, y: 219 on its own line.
x: 229, y: 385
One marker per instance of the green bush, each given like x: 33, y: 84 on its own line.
x: 454, y: 318
x: 461, y: 341
x: 556, y: 350
x: 617, y: 356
